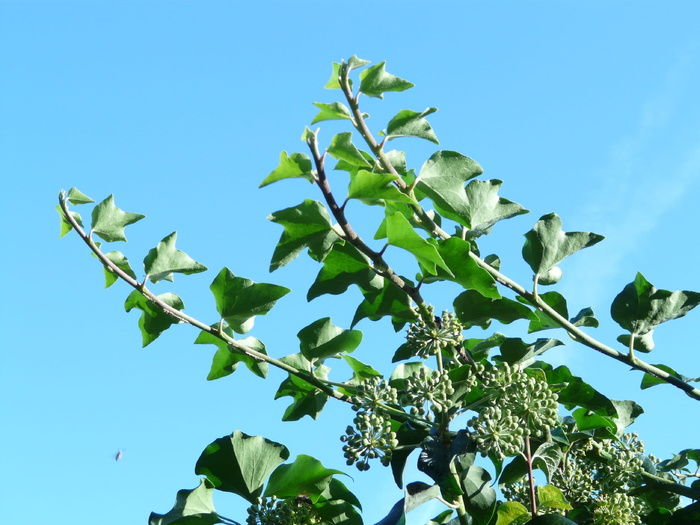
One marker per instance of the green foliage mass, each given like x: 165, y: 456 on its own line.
x: 520, y: 415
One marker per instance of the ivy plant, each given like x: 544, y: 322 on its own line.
x: 488, y: 416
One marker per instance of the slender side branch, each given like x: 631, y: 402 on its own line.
x: 181, y: 316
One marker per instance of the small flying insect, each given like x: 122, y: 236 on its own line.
x: 118, y: 455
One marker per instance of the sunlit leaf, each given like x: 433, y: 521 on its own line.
x: 401, y: 234
x: 165, y: 259
x: 108, y: 221
x: 465, y: 271
x: 296, y: 165
x: 305, y: 476
x: 546, y: 244
x: 408, y: 123
x: 226, y: 359
x: 374, y: 188
x: 641, y: 307
x: 480, y: 497
x: 75, y: 196
x: 442, y: 179
x: 473, y: 309
x: 241, y: 463
x: 342, y: 148
x: 66, y: 226
x: 121, y: 262
x: 486, y: 207
x: 334, y: 111
x: 153, y: 320
x: 192, y: 507
x: 239, y: 300
x: 307, y: 399
x: 375, y: 81
x: 515, y: 351
x: 389, y: 301
x: 321, y: 339
x: 512, y: 513
x: 306, y: 225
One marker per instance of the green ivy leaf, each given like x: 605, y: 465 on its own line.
x: 360, y: 371
x: 343, y: 266
x: 473, y: 309
x: 546, y: 244
x: 296, y: 165
x: 627, y: 412
x: 550, y: 496
x: 306, y: 225
x: 587, y: 420
x: 165, y: 259
x: 153, y: 320
x: 641, y: 307
x: 389, y: 301
x: 547, y: 458
x: 374, y: 188
x: 585, y: 317
x: 239, y: 300
x: 241, y: 463
x: 577, y: 392
x: 334, y: 111
x: 512, y: 513
x: 375, y: 81
x: 401, y: 234
x: 305, y: 476
x: 542, y: 321
x: 226, y: 359
x: 480, y: 497
x: 66, y: 226
x: 192, y: 507
x: 486, y: 208
x: 465, y: 271
x: 108, y: 221
x: 649, y: 380
x: 121, y: 262
x: 408, y: 123
x: 307, y: 399
x: 321, y: 339
x: 515, y: 351
x: 442, y: 179
x: 75, y: 197
x: 342, y: 148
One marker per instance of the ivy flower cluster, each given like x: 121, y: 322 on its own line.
x: 429, y: 388
x: 427, y: 340
x: 273, y: 511
x: 371, y: 437
x: 521, y: 405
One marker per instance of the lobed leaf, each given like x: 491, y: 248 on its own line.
x: 473, y: 309
x: 240, y: 463
x: 306, y: 225
x: 296, y: 165
x: 66, y: 226
x: 305, y: 476
x: 401, y: 234
x: 165, y: 259
x: 108, y: 221
x: 121, y: 262
x: 375, y: 81
x: 333, y: 111
x: 641, y: 307
x: 322, y: 339
x: 307, y: 399
x: 343, y: 266
x: 389, y: 301
x: 375, y: 188
x: 546, y: 244
x: 342, y: 148
x: 515, y: 351
x: 192, y: 507
x: 226, y: 359
x: 408, y: 123
x: 442, y: 179
x: 486, y: 208
x: 512, y: 513
x: 239, y: 300
x: 153, y: 320
x: 465, y: 271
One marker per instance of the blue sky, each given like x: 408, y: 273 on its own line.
x: 180, y: 109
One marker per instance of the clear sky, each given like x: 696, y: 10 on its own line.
x: 180, y: 109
